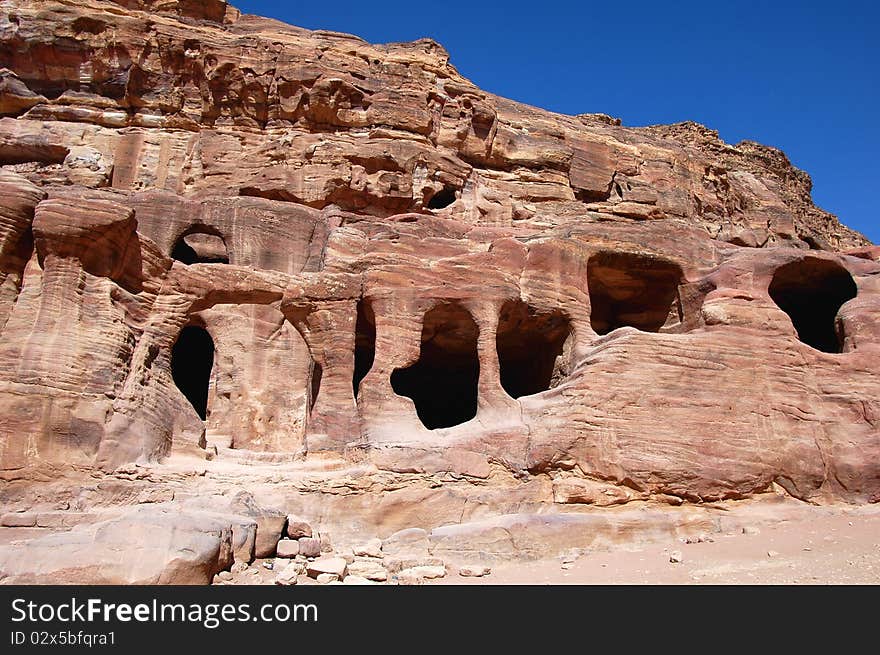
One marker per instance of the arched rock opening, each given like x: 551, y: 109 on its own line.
x: 531, y: 347
x: 201, y: 245
x: 640, y: 291
x: 811, y: 291
x: 443, y: 382
x: 192, y: 360
x: 442, y: 199
x: 364, y: 342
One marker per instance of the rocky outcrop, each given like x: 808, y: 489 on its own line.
x: 193, y: 98
x: 146, y: 546
x: 230, y: 239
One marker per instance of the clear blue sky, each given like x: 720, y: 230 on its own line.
x: 801, y: 76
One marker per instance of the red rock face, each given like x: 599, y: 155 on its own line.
x: 222, y: 232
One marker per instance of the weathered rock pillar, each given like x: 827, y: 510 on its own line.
x: 328, y: 329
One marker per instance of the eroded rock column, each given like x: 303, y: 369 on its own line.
x: 328, y: 329
x: 68, y: 333
x: 16, y: 244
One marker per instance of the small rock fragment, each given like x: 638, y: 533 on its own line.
x: 269, y: 529
x: 425, y: 572
x: 287, y: 548
x: 373, y: 548
x: 571, y: 555
x: 298, y: 527
x: 474, y: 571
x: 332, y: 565
x: 309, y: 546
x: 676, y: 557
x: 327, y: 578
x: 371, y: 570
x: 405, y: 578
x: 394, y: 565
x: 289, y: 574
x: 356, y: 580
x: 347, y: 554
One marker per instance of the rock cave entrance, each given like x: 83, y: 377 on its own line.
x: 442, y: 199
x: 200, y: 245
x: 632, y: 290
x: 811, y: 292
x: 530, y: 344
x: 364, y: 343
x: 443, y: 382
x: 192, y: 360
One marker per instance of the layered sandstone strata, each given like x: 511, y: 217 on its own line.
x: 220, y: 234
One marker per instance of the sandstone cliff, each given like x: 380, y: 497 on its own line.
x: 221, y: 233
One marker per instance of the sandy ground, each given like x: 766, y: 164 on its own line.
x: 802, y: 545
x: 770, y: 539
x: 840, y: 548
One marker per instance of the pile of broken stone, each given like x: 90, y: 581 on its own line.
x: 220, y: 539
x: 305, y: 556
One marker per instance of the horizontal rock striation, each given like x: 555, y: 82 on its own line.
x: 225, y: 237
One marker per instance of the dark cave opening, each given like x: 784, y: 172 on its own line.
x: 443, y: 382
x: 811, y: 291
x: 315, y: 383
x: 631, y: 290
x: 442, y: 199
x: 364, y: 343
x: 200, y: 246
x: 184, y: 253
x: 192, y: 360
x: 529, y: 344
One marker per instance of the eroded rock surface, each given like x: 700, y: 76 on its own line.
x: 226, y: 238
